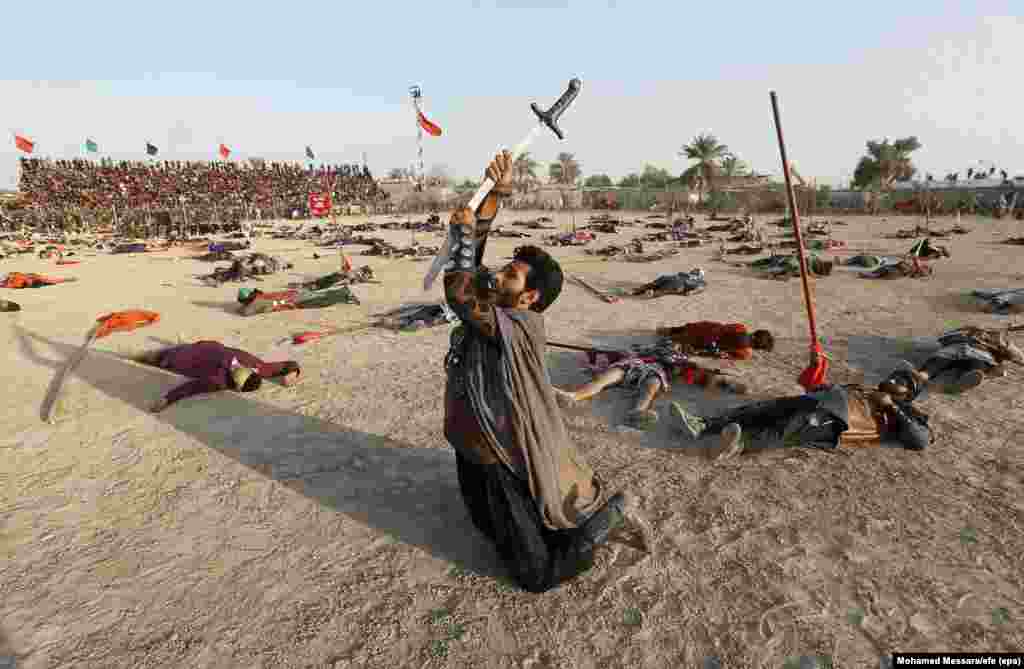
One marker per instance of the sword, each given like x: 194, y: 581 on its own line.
x: 546, y: 119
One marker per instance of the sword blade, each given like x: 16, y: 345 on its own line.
x: 442, y: 257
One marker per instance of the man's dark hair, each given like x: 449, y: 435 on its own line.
x: 545, y: 276
x: 763, y: 340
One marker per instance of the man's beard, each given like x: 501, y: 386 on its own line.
x: 508, y: 299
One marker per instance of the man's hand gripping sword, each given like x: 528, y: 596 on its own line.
x: 547, y: 119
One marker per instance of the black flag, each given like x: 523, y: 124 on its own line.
x: 150, y: 149
x: 309, y: 153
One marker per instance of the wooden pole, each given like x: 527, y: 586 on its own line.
x: 927, y: 206
x: 791, y: 197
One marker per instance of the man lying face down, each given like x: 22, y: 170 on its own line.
x: 968, y: 356
x: 727, y: 340
x: 214, y: 367
x: 682, y: 283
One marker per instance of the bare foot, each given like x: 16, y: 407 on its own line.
x: 730, y: 442
x: 566, y: 400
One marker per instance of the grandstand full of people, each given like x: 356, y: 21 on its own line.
x: 227, y: 190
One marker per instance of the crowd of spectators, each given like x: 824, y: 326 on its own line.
x: 232, y: 189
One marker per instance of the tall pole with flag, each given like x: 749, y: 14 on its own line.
x: 815, y: 373
x: 24, y: 145
x: 417, y: 95
x: 422, y: 124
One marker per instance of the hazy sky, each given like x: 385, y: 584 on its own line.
x: 269, y: 78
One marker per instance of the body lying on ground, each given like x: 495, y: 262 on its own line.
x: 416, y: 316
x: 869, y: 261
x: 682, y: 283
x: 732, y: 340
x: 257, y: 302
x: 31, y: 280
x: 925, y: 249
x: 911, y: 268
x: 648, y: 370
x: 827, y: 417
x: 969, y: 355
x: 253, y: 264
x: 214, y: 367
x: 743, y: 250
x: 362, y: 275
x: 1002, y: 301
x: 784, y: 267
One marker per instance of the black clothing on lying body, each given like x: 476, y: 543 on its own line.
x: 820, y: 419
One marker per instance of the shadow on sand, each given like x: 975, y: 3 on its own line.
x: 408, y: 492
x: 877, y: 356
x: 961, y: 303
x: 226, y: 307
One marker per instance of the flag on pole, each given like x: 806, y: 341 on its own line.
x: 151, y: 150
x: 91, y: 146
x: 224, y: 152
x: 309, y: 153
x: 430, y: 127
x: 24, y: 144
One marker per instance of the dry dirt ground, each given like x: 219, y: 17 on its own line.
x: 321, y: 525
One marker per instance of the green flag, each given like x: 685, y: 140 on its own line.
x: 91, y: 146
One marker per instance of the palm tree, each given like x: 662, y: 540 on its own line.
x: 524, y: 170
x: 733, y: 166
x: 566, y: 169
x: 886, y: 163
x: 708, y: 152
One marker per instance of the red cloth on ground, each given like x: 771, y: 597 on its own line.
x: 31, y: 280
x: 125, y: 321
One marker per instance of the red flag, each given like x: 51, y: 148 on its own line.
x: 427, y: 125
x: 224, y: 152
x: 23, y: 144
x: 815, y: 374
x: 320, y: 204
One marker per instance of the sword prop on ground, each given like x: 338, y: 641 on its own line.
x: 58, y: 382
x: 548, y: 119
x: 122, y: 321
x: 610, y: 299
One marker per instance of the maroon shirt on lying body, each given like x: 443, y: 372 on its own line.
x: 208, y: 363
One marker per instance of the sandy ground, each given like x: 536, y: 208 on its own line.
x: 321, y: 525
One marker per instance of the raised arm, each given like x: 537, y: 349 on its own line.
x: 469, y: 232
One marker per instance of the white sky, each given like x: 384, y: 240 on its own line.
x: 654, y: 75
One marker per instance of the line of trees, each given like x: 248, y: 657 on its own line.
x: 883, y: 164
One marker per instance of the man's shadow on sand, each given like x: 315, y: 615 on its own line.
x: 405, y: 491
